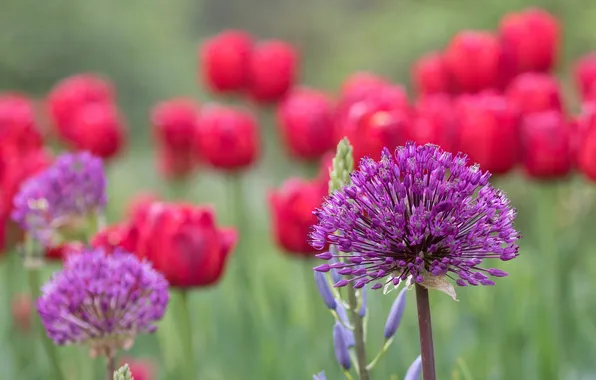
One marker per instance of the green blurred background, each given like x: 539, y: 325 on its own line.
x: 265, y: 320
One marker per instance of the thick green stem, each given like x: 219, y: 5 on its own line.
x: 358, y: 335
x: 186, y: 336
x: 49, y: 347
x: 426, y: 333
x: 110, y: 365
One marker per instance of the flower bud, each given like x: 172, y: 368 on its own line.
x: 343, y: 164
x: 319, y: 376
x: 123, y: 373
x: 362, y: 311
x: 413, y: 372
x: 342, y: 353
x: 325, y: 290
x: 395, y: 314
x: 345, y: 321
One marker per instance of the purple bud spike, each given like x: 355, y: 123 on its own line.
x: 362, y: 311
x: 342, y: 353
x: 345, y: 321
x: 325, y: 290
x: 497, y: 272
x: 324, y: 256
x: 341, y: 283
x: 395, y: 314
x: 413, y: 372
x: 319, y: 376
x: 322, y: 268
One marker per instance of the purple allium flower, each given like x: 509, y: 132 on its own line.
x: 63, y: 195
x: 102, y: 300
x: 421, y: 213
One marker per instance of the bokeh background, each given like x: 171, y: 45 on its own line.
x: 539, y: 323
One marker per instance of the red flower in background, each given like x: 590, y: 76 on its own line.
x: 546, y: 145
x: 474, y: 60
x: 430, y: 75
x: 71, y: 94
x: 99, y: 129
x: 535, y: 92
x: 227, y: 138
x: 18, y: 129
x: 121, y: 235
x: 224, y: 61
x: 585, y: 76
x: 585, y: 143
x: 272, y: 70
x: 185, y: 244
x: 141, y: 369
x: 175, y: 166
x: 62, y: 251
x: 138, y: 207
x: 531, y: 39
x: 488, y: 131
x: 359, y: 85
x: 292, y: 216
x: 434, y: 122
x: 305, y: 120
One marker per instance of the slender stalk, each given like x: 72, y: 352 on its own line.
x: 110, y: 364
x: 49, y: 347
x: 426, y: 333
x: 358, y: 335
x: 238, y: 212
x: 186, y: 335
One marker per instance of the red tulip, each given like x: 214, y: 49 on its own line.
x: 141, y: 369
x: 531, y: 38
x: 224, y: 61
x: 185, y: 244
x: 324, y: 169
x: 62, y: 251
x: 18, y: 129
x: 122, y: 236
x: 138, y: 207
x: 272, y: 71
x: 305, y: 120
x: 585, y: 76
x: 586, y: 141
x: 175, y: 122
x: 292, y: 216
x: 535, y: 92
x: 434, y: 122
x: 227, y: 138
x: 99, y: 129
x: 72, y: 93
x: 430, y: 75
x: 488, y: 131
x: 473, y: 60
x: 21, y: 307
x: 360, y: 84
x: 175, y: 165
x: 546, y: 145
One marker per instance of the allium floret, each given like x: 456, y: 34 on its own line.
x: 421, y: 214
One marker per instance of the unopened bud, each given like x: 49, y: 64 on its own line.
x: 325, y: 290
x: 395, y: 314
x: 319, y: 376
x: 123, y: 373
x: 413, y: 372
x: 342, y: 353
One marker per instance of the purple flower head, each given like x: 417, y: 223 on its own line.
x: 102, y: 300
x: 422, y: 214
x: 61, y: 197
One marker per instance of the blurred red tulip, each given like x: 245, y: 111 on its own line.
x: 99, y: 129
x: 324, y: 169
x: 272, y: 71
x: 546, y: 145
x: 72, y: 93
x: 175, y: 165
x: 434, y: 122
x: 305, y: 120
x: 175, y: 122
x: 227, y: 138
x: 21, y: 310
x: 585, y: 76
x: 62, y: 251
x: 18, y: 129
x: 292, y: 216
x: 141, y: 369
x: 121, y: 235
x: 586, y: 141
x: 138, y: 207
x: 224, y: 61
x: 535, y: 92
x: 473, y: 60
x: 360, y: 84
x: 488, y: 131
x: 185, y: 244
x: 531, y: 38
x: 430, y: 75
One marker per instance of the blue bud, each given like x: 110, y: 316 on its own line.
x: 319, y: 376
x: 325, y: 290
x: 413, y: 372
x: 395, y: 314
x: 342, y: 353
x: 362, y: 311
x: 345, y: 321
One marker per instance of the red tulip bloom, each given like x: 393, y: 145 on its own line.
x: 121, y: 235
x: 99, y: 129
x: 324, y: 169
x: 185, y: 244
x: 272, y: 71
x: 585, y: 76
x: 586, y: 141
x: 227, y: 138
x: 473, y: 59
x: 430, y: 75
x: 360, y: 84
x: 224, y: 61
x: 535, y: 92
x: 546, y: 145
x: 434, y: 122
x: 531, y: 38
x: 138, y: 207
x: 71, y: 94
x: 62, y: 251
x: 175, y: 165
x: 292, y: 216
x: 488, y: 131
x: 305, y: 120
x: 18, y: 129
x: 175, y: 122
x: 141, y: 369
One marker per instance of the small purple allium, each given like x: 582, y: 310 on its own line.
x: 62, y: 196
x: 102, y: 300
x: 421, y: 213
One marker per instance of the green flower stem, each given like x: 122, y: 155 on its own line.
x: 426, y: 333
x: 49, y: 347
x: 110, y: 365
x: 382, y: 352
x: 186, y: 336
x: 239, y: 214
x: 358, y: 335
